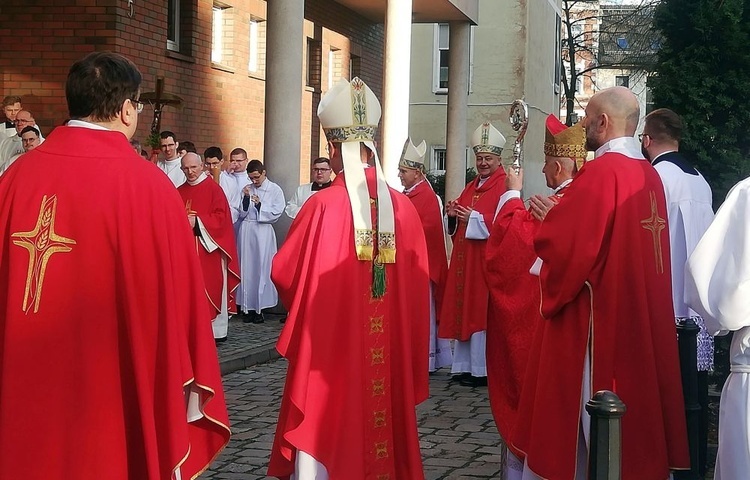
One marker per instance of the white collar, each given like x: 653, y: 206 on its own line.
x: 173, y: 161
x: 409, y: 190
x: 198, y: 180
x: 563, y: 185
x: 627, y: 146
x: 85, y: 124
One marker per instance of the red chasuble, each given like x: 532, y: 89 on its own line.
x: 605, y: 279
x: 514, y: 309
x: 466, y: 299
x: 208, y: 201
x: 103, y: 324
x: 357, y: 364
x: 428, y: 207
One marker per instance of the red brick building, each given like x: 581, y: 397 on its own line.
x: 213, y: 58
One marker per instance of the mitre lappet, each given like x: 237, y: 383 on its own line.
x: 349, y: 113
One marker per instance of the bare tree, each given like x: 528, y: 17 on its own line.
x: 599, y: 34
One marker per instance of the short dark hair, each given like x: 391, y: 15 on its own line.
x: 213, y: 152
x: 99, y: 83
x: 255, y: 166
x: 11, y: 100
x: 30, y: 129
x: 188, y: 146
x: 322, y: 160
x: 664, y: 125
x: 166, y: 134
x: 238, y: 151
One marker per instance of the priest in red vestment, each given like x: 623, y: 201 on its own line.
x: 514, y: 292
x: 411, y: 172
x: 353, y: 273
x: 608, y: 320
x: 210, y: 218
x: 108, y: 368
x: 463, y: 312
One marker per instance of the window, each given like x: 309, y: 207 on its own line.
x: 217, y: 47
x: 355, y: 66
x: 173, y: 25
x: 313, y: 63
x: 557, y: 56
x: 442, y: 54
x: 256, y: 64
x: 576, y: 29
x: 622, y: 81
x: 438, y: 158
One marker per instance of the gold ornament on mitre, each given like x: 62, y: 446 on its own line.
x: 349, y: 113
x: 563, y: 141
x: 487, y: 139
x: 413, y: 157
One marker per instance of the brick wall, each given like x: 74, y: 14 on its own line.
x: 224, y: 104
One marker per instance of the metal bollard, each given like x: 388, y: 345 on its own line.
x: 605, y: 450
x: 687, y: 332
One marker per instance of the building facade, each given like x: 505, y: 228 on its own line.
x: 512, y: 53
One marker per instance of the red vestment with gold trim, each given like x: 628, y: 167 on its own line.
x: 357, y: 364
x: 208, y: 201
x: 606, y: 287
x: 104, y: 324
x: 466, y: 300
x: 428, y: 207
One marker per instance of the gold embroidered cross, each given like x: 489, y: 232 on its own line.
x: 381, y: 449
x: 378, y: 387
x: 42, y: 242
x: 655, y: 224
x: 379, y: 420
x: 378, y: 355
x: 376, y: 324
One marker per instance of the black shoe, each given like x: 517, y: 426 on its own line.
x: 460, y: 377
x: 474, y: 382
x: 256, y: 317
x: 246, y: 317
x: 220, y: 340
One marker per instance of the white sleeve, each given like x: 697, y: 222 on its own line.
x: 504, y: 199
x: 476, y: 229
x: 293, y: 205
x: 271, y: 208
x: 717, y: 274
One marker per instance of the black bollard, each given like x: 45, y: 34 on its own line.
x: 605, y: 439
x: 687, y: 332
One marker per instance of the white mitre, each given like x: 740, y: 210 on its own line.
x: 413, y: 157
x: 349, y: 113
x: 487, y: 139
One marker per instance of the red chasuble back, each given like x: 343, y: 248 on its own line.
x: 103, y: 319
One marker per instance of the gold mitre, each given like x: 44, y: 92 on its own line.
x: 349, y: 112
x: 487, y: 139
x: 563, y: 141
x: 413, y: 157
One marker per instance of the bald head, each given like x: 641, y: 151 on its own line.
x: 24, y: 119
x: 191, y: 166
x: 611, y: 113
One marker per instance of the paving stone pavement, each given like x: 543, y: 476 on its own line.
x: 458, y: 436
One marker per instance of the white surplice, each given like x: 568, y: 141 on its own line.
x: 172, y: 169
x: 299, y: 198
x: 256, y: 246
x: 233, y: 192
x: 717, y: 286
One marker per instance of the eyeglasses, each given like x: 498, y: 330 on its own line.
x: 236, y: 160
x: 321, y: 170
x: 138, y: 105
x: 21, y: 121
x: 642, y: 135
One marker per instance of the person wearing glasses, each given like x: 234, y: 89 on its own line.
x: 321, y: 174
x: 13, y: 146
x: 213, y: 165
x: 262, y: 205
x: 106, y: 331
x: 171, y: 163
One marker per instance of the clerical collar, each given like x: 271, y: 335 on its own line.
x: 563, y: 185
x: 85, y: 124
x: 198, y: 180
x: 411, y: 189
x: 482, y: 180
x: 627, y: 146
x: 315, y: 187
x: 653, y: 160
